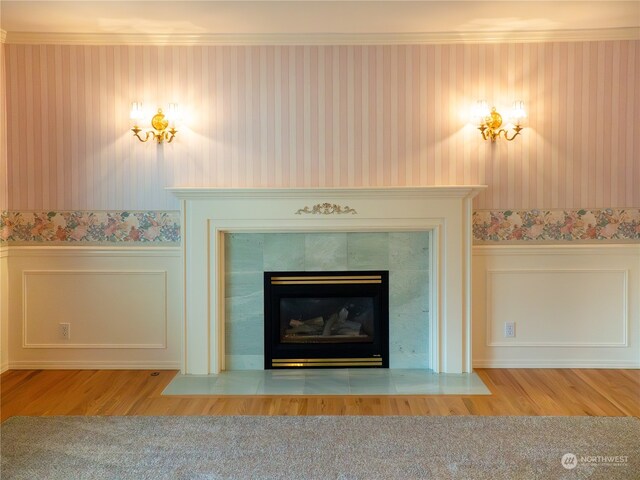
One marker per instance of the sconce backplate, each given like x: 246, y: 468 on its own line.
x: 496, y: 119
x: 159, y: 122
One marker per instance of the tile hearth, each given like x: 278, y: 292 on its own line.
x: 344, y: 381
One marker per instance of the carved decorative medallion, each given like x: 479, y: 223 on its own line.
x: 326, y: 209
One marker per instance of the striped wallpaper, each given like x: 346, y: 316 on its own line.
x: 4, y: 195
x: 323, y: 116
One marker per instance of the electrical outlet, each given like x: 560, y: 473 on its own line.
x: 509, y: 329
x: 65, y: 330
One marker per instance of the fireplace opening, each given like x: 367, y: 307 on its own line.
x: 326, y: 319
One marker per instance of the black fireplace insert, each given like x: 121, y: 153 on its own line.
x: 326, y: 319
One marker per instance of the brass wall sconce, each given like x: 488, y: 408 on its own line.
x: 490, y: 121
x: 163, y: 126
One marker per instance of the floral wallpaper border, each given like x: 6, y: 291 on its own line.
x: 91, y: 227
x: 163, y: 227
x: 603, y: 224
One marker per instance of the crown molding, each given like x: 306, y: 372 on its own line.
x: 40, y: 38
x: 3, y: 36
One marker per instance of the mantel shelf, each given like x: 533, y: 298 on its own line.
x: 448, y: 191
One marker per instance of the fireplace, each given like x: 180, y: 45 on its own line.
x: 208, y: 214
x: 326, y: 319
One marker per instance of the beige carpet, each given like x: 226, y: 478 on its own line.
x: 318, y: 448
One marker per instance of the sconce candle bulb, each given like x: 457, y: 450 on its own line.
x: 172, y: 114
x: 136, y: 111
x: 518, y: 112
x: 160, y: 130
x: 490, y: 122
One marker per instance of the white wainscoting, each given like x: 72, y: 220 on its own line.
x: 573, y: 306
x: 123, y: 304
x: 4, y: 310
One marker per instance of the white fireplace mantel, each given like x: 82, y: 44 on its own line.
x: 209, y: 213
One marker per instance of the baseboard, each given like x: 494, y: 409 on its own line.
x: 80, y: 365
x: 4, y: 367
x: 555, y: 364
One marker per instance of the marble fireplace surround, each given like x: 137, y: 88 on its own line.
x: 209, y: 213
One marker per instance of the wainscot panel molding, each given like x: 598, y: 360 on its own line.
x: 123, y: 304
x: 512, y: 293
x: 573, y: 306
x: 99, y: 304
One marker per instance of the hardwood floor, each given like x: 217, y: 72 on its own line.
x: 514, y: 392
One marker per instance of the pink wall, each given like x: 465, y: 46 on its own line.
x: 4, y: 194
x: 323, y: 116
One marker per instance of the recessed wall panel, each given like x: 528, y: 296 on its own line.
x: 557, y: 307
x: 105, y: 309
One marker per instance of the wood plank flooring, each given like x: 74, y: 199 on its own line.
x: 126, y: 392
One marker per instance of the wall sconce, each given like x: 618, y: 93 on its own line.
x: 160, y: 123
x: 490, y: 121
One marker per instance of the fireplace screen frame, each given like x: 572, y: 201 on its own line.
x: 372, y: 284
